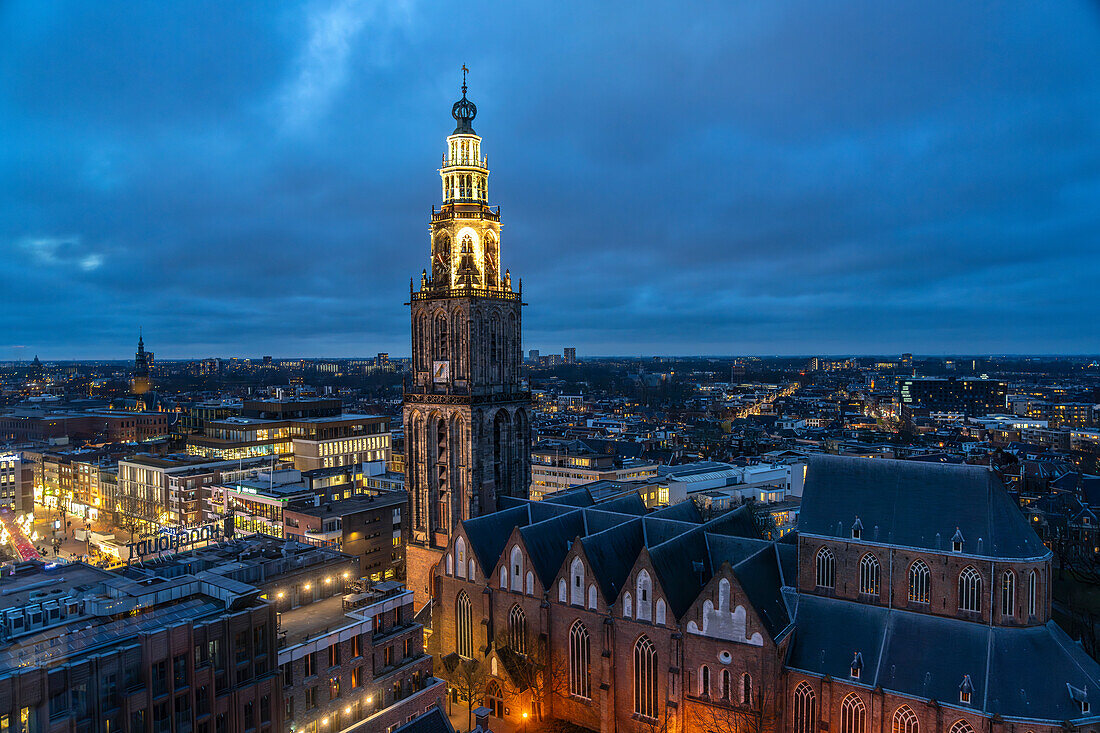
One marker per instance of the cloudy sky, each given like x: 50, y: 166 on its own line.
x: 742, y: 177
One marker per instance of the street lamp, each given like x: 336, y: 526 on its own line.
x: 524, y: 721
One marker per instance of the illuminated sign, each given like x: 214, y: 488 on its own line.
x: 180, y: 539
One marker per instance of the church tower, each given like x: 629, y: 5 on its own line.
x: 141, y: 383
x: 466, y: 413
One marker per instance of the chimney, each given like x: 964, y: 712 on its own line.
x: 481, y: 719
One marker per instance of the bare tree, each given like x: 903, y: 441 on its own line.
x: 468, y: 678
x: 759, y: 714
x: 535, y: 668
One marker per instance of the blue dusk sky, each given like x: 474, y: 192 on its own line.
x: 765, y: 177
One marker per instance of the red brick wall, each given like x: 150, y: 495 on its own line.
x: 420, y: 562
x: 943, y: 582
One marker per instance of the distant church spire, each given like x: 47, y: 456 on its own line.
x: 141, y: 383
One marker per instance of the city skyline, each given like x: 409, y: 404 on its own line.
x: 886, y: 180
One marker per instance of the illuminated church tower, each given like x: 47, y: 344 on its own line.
x: 141, y: 382
x: 466, y: 413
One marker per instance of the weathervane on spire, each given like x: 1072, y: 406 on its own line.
x: 464, y: 110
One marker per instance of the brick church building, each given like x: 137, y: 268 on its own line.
x: 914, y: 599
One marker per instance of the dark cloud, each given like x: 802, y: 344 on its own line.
x: 779, y: 177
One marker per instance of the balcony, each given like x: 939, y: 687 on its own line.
x: 432, y: 293
x: 481, y: 212
x: 465, y: 161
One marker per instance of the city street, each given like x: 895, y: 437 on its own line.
x: 67, y: 546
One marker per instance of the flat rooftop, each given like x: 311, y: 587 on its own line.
x: 351, y: 505
x: 53, y: 582
x: 313, y: 619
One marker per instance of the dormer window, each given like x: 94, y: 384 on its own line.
x: 857, y: 666
x: 857, y: 529
x: 966, y: 689
x: 957, y: 541
x: 1080, y: 697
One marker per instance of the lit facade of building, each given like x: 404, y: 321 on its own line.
x: 155, y: 492
x: 563, y: 466
x: 16, y: 483
x: 312, y: 441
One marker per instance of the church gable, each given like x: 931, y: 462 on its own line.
x: 642, y: 597
x: 724, y: 612
x: 576, y: 581
x: 458, y: 560
x: 514, y: 571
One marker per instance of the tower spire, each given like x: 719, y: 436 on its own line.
x: 465, y: 71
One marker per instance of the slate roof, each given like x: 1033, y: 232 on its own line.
x: 490, y: 532
x: 676, y: 563
x: 547, y: 543
x: 915, y: 504
x: 1016, y: 672
x: 685, y: 511
x: 611, y: 554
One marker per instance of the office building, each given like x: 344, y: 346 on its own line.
x: 967, y: 397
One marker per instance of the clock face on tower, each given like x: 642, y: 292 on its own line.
x: 441, y: 371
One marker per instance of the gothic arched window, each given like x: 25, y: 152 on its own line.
x: 441, y: 337
x: 853, y: 714
x: 1008, y: 594
x: 905, y: 720
x: 517, y: 569
x: 645, y: 678
x: 868, y: 575
x: 805, y: 709
x: 517, y: 630
x: 826, y: 568
x: 961, y: 726
x: 919, y: 575
x: 576, y: 592
x: 1033, y: 593
x: 746, y: 689
x: 464, y: 628
x: 970, y: 590
x: 726, y: 693
x: 704, y: 681
x: 645, y: 597
x: 460, y: 558
x: 579, y: 672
